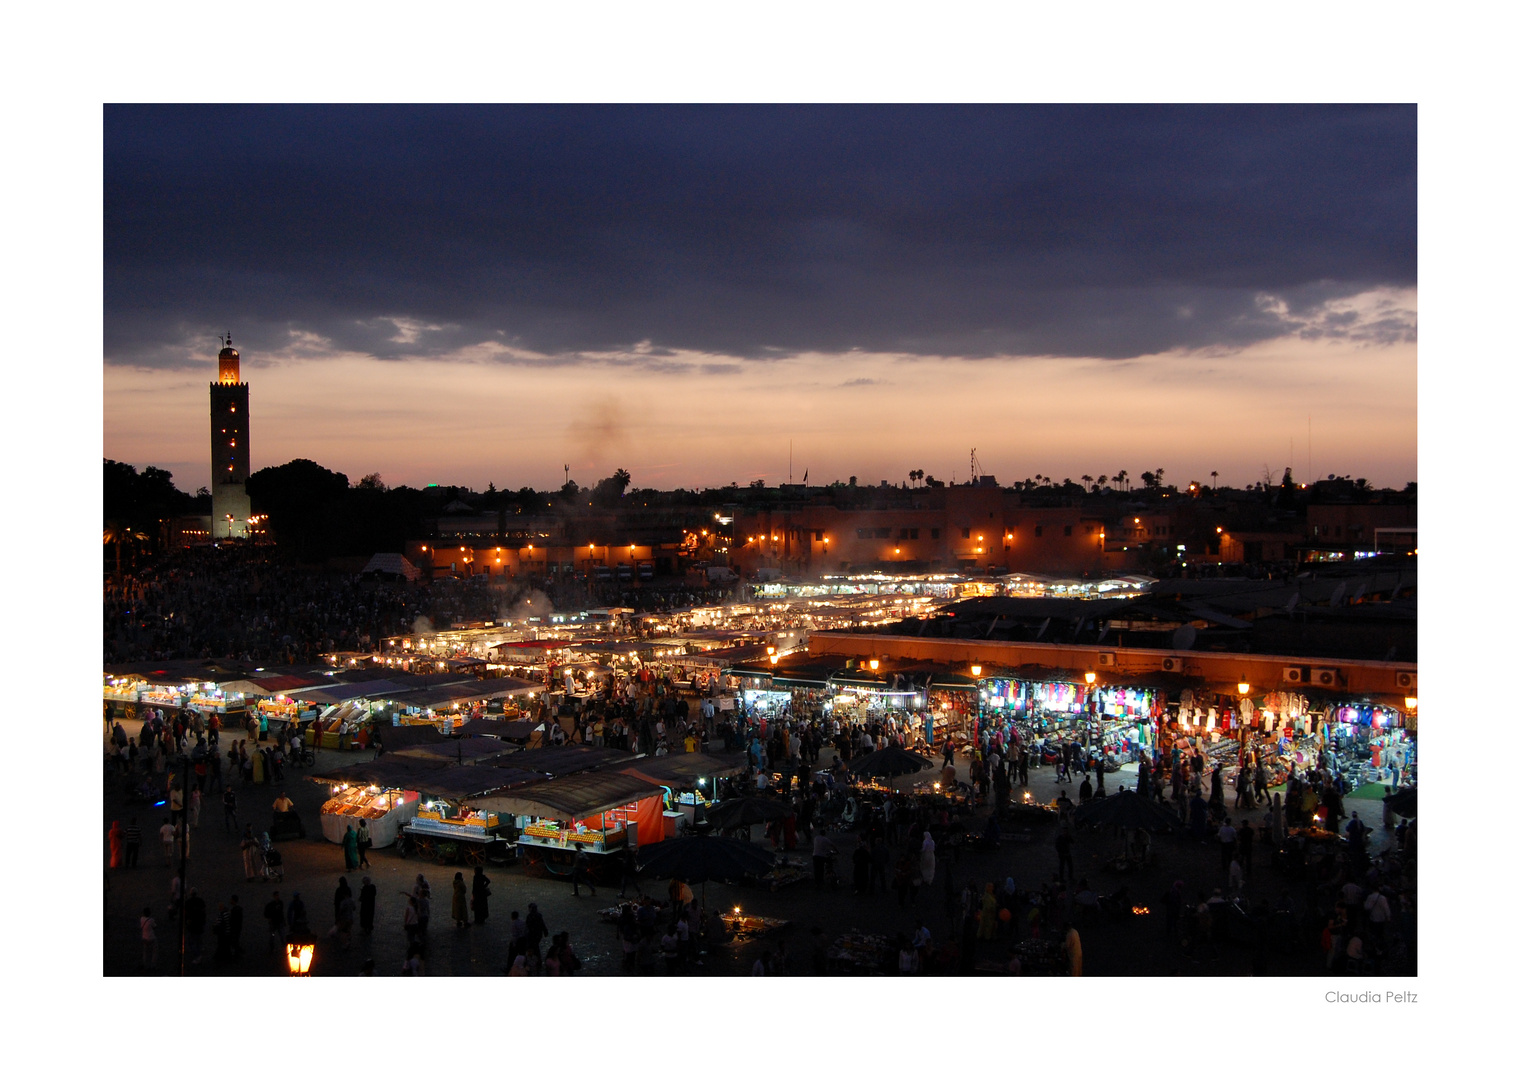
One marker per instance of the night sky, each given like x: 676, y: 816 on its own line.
x: 484, y: 294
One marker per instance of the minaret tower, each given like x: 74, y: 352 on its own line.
x: 229, y: 447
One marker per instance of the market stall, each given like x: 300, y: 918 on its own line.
x: 595, y: 813
x: 385, y: 810
x: 384, y: 792
x: 451, y: 828
x: 689, y: 780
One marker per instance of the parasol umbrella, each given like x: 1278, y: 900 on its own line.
x: 1128, y: 810
x: 891, y: 762
x: 1402, y: 802
x: 750, y: 810
x: 700, y: 859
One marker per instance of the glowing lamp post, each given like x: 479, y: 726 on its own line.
x: 299, y: 956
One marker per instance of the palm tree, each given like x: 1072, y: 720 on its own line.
x: 1119, y: 478
x: 1214, y: 478
x: 1101, y: 481
x: 1087, y: 481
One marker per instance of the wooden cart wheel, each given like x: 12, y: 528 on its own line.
x: 474, y: 854
x: 423, y: 846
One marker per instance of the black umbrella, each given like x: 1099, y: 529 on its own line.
x: 889, y: 763
x: 736, y: 813
x: 1128, y: 810
x: 1402, y: 802
x: 706, y: 858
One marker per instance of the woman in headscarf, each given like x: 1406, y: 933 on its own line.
x: 117, y: 836
x: 519, y: 967
x: 459, y: 908
x: 927, y: 859
x: 350, y: 848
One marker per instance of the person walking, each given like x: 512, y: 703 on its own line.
x: 367, y: 893
x: 1064, y: 868
x: 628, y: 873
x: 927, y: 860
x: 409, y: 919
x: 1227, y: 838
x: 132, y: 842
x: 250, y: 850
x: 166, y: 837
x: 343, y: 921
x: 350, y: 848
x: 195, y: 808
x: 295, y: 915
x: 147, y: 930
x: 117, y: 837
x: 365, y: 843
x: 340, y: 894
x: 459, y: 907
x: 229, y: 811
x: 578, y: 874
x: 274, y: 916
x: 480, y: 889
x: 535, y: 930
x: 424, y: 905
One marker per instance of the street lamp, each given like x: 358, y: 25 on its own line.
x: 1090, y: 677
x: 1243, y: 687
x: 874, y: 662
x: 299, y: 956
x: 976, y: 671
x: 1410, y: 703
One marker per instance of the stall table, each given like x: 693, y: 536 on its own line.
x: 857, y: 953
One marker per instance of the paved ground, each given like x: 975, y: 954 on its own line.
x: 312, y: 867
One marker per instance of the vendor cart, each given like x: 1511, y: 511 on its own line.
x: 471, y: 839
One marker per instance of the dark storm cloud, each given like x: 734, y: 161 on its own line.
x: 751, y: 231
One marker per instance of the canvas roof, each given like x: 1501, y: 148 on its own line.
x: 569, y: 798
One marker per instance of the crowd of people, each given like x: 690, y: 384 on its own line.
x: 253, y: 604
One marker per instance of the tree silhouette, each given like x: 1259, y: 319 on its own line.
x: 1120, y: 478
x: 1214, y: 478
x: 1087, y: 481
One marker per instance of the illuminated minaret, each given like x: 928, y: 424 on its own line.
x: 229, y: 447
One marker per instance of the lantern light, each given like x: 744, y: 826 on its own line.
x: 1243, y: 687
x: 1090, y: 677
x: 976, y: 670
x: 299, y: 956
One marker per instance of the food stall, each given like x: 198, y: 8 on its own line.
x: 449, y: 828
x: 384, y: 793
x: 384, y: 809
x: 597, y: 813
x: 689, y: 780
